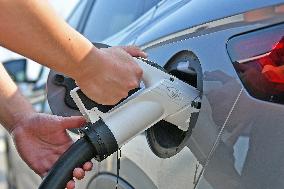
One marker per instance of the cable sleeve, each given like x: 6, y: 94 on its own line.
x: 62, y: 172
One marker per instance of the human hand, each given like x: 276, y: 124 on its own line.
x: 107, y: 75
x: 41, y: 139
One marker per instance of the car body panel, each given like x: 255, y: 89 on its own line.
x: 201, y: 12
x: 163, y: 20
x: 237, y: 139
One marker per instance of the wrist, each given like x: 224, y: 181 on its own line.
x: 14, y: 108
x: 78, y: 49
x: 81, y: 67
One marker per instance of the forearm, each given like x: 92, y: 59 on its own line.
x: 12, y: 104
x: 33, y: 29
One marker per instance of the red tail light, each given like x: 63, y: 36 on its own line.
x: 258, y: 58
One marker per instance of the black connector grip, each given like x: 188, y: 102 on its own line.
x: 98, y: 142
x: 99, y: 135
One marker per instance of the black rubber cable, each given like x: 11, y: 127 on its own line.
x: 62, y: 172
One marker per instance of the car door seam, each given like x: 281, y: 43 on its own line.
x: 209, y: 157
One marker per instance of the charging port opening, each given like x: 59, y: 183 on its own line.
x: 164, y: 138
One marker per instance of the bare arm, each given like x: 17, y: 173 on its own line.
x: 32, y: 29
x: 12, y: 102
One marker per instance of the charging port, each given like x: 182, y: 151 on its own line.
x: 164, y: 138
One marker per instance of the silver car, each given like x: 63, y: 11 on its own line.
x: 232, y: 51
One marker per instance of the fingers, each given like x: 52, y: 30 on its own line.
x: 70, y: 184
x: 72, y: 122
x: 88, y: 166
x: 134, y: 51
x: 79, y: 173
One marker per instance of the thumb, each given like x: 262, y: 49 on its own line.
x: 72, y: 122
x: 134, y: 51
